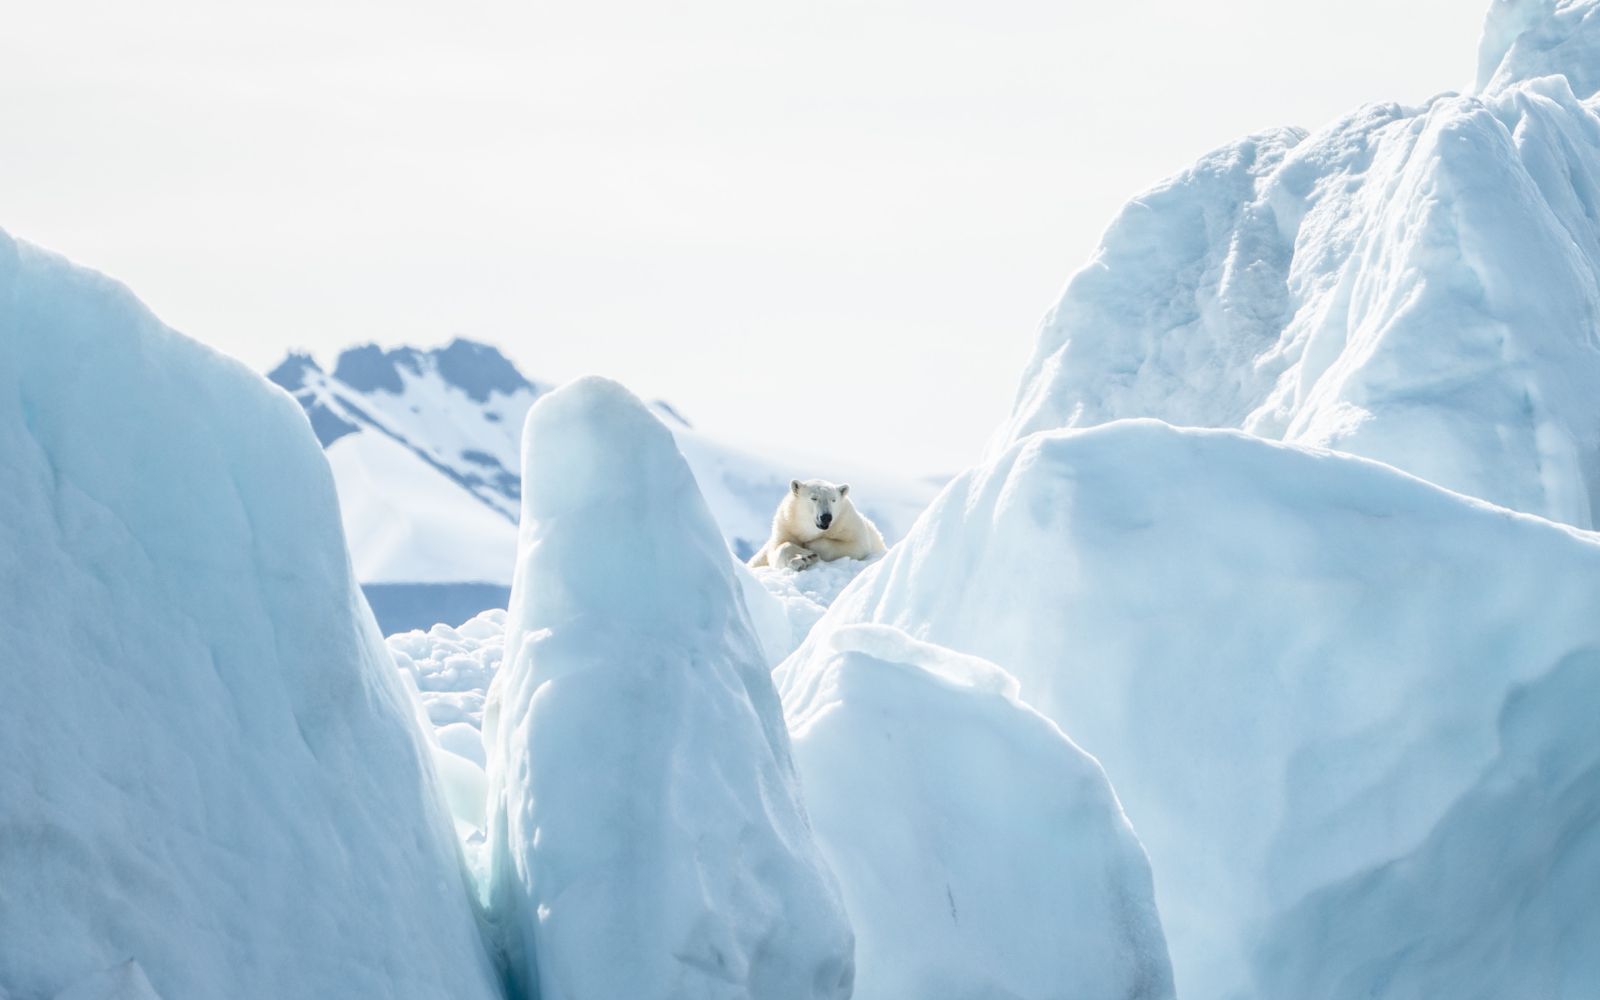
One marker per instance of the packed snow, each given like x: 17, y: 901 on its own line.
x: 1330, y: 696
x: 1419, y: 285
x: 980, y: 852
x: 451, y: 670
x: 795, y: 601
x: 207, y: 761
x: 452, y: 667
x: 646, y: 835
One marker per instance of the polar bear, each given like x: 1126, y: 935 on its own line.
x: 816, y: 520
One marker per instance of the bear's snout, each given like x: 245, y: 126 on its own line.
x: 824, y: 521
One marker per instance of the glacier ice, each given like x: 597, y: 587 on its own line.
x: 981, y: 853
x: 123, y: 981
x: 1528, y: 39
x: 646, y: 835
x: 796, y: 600
x: 1344, y: 711
x: 207, y: 761
x: 1418, y: 285
x: 451, y: 671
x: 1349, y: 713
x: 452, y: 666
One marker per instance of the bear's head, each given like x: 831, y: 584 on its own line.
x: 817, y: 502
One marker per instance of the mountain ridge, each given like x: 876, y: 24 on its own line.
x: 425, y: 448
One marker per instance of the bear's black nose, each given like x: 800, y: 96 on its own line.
x: 825, y: 520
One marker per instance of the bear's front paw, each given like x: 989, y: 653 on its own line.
x: 804, y: 560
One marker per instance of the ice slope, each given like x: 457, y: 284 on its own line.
x: 980, y: 852
x: 124, y: 981
x: 1527, y: 39
x: 1348, y: 713
x: 424, y: 446
x: 786, y: 605
x: 1416, y: 285
x: 646, y: 837
x: 453, y: 668
x: 207, y: 765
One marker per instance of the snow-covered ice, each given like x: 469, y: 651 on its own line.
x: 797, y: 600
x: 1528, y: 39
x: 451, y: 670
x: 1419, y: 285
x: 980, y: 852
x: 1342, y: 707
x: 207, y: 761
x: 452, y: 666
x: 646, y: 835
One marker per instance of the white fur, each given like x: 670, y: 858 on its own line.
x: 799, y: 538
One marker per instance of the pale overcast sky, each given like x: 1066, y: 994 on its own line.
x: 828, y: 226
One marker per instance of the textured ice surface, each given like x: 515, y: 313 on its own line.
x: 207, y: 762
x: 1527, y: 39
x: 1419, y: 285
x: 646, y: 837
x: 1344, y: 709
x: 980, y: 852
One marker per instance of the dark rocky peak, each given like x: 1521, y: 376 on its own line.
x: 292, y: 371
x: 370, y: 368
x: 477, y: 369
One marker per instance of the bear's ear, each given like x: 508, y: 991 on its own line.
x: 794, y: 486
x: 844, y: 490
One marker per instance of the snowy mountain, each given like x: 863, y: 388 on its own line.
x: 425, y: 450
x: 1419, y: 285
